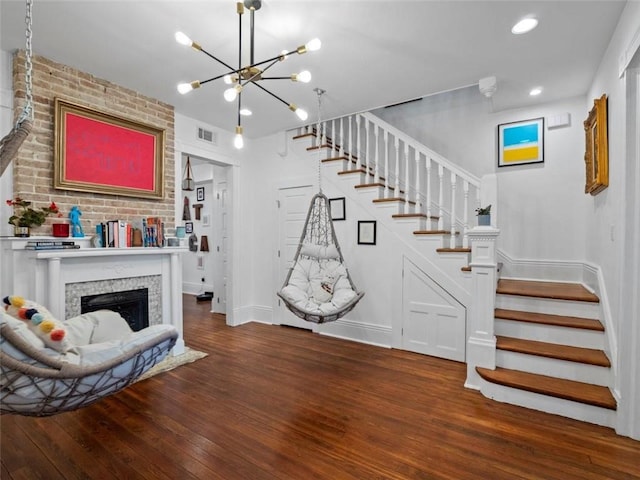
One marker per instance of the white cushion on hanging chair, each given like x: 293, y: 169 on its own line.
x: 307, y: 275
x: 320, y: 252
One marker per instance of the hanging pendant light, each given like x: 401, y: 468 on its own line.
x: 251, y: 74
x: 188, y: 184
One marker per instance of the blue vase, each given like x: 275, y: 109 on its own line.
x: 484, y: 220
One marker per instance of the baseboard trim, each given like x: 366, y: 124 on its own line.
x: 368, y: 333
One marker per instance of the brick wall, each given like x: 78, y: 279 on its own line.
x: 33, y: 166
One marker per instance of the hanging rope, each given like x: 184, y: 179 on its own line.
x: 10, y: 144
x: 319, y: 92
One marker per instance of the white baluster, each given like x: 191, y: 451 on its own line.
x: 351, y: 152
x: 407, y: 196
x: 386, y: 164
x: 465, y: 237
x: 453, y: 210
x: 358, y: 149
x: 440, y: 197
x: 418, y: 189
x: 367, y: 154
x: 341, y: 151
x: 376, y: 166
x: 396, y: 188
x: 428, y: 193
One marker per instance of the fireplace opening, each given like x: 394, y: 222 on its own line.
x: 132, y: 305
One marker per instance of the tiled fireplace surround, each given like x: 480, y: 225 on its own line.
x: 59, y: 278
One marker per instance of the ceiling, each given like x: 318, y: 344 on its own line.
x: 374, y: 53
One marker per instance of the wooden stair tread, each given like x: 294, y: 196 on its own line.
x: 367, y: 185
x: 554, y: 290
x: 453, y: 250
x: 357, y: 170
x: 304, y: 135
x: 466, y: 269
x: 432, y: 232
x: 547, y: 319
x: 552, y: 350
x: 408, y: 215
x: 334, y: 159
x: 555, y: 387
x: 388, y: 200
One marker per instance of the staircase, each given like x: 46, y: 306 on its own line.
x: 549, y: 344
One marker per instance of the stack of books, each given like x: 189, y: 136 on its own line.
x: 50, y: 245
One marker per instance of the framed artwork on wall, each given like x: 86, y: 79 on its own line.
x: 521, y: 143
x: 337, y: 208
x: 366, y: 232
x: 188, y: 227
x: 596, y: 156
x: 200, y: 194
x: 101, y: 153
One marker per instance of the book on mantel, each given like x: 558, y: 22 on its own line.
x: 50, y: 245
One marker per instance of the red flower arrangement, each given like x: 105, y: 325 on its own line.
x: 26, y: 216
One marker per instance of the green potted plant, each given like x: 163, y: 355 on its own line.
x: 484, y: 215
x: 26, y: 217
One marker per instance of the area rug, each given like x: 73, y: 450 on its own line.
x: 169, y: 363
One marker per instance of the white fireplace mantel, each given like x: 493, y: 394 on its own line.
x: 43, y: 275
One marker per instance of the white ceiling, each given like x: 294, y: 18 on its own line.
x: 374, y: 53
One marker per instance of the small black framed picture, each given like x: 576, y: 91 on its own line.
x: 366, y: 232
x: 337, y: 208
x: 200, y: 194
x: 188, y: 227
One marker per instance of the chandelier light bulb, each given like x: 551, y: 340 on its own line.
x: 313, y: 45
x: 184, y: 88
x: 228, y: 79
x: 182, y: 39
x: 238, y: 141
x: 246, y: 112
x: 302, y: 114
x: 304, y: 76
x: 230, y: 94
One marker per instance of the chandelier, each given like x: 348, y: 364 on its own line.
x: 241, y: 77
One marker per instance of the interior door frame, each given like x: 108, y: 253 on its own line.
x: 301, y: 182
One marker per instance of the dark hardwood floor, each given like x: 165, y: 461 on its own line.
x: 273, y: 402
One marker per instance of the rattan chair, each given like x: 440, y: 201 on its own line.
x: 38, y: 381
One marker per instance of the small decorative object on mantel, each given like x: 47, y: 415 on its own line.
x: 188, y: 184
x: 25, y: 217
x: 74, y: 217
x: 484, y: 216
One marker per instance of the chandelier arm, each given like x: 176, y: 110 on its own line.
x: 253, y: 77
x: 270, y: 93
x: 217, y: 59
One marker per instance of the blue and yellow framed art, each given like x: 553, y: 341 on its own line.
x: 521, y: 143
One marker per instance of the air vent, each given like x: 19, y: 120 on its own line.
x: 207, y: 136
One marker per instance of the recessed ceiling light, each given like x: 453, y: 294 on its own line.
x: 535, y: 91
x: 246, y: 112
x: 525, y: 25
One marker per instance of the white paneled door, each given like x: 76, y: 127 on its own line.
x: 293, y: 204
x: 433, y: 322
x: 221, y: 235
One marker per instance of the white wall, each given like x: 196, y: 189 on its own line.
x: 542, y: 206
x: 6, y: 124
x: 609, y: 215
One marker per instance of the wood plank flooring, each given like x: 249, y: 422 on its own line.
x: 273, y: 402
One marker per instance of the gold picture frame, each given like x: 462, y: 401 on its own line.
x: 101, y: 153
x: 596, y: 157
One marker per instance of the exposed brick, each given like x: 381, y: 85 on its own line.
x: 34, y: 166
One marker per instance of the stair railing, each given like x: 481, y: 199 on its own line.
x: 423, y: 181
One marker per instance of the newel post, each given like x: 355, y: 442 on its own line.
x: 481, y: 343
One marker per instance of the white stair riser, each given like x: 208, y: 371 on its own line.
x: 369, y: 194
x: 333, y: 167
x: 575, y: 337
x: 547, y: 305
x: 552, y: 367
x: 544, y: 403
